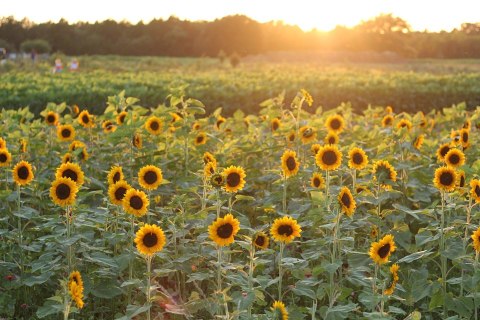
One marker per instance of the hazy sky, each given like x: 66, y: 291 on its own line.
x: 433, y: 15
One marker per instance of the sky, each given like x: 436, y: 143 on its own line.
x: 431, y: 15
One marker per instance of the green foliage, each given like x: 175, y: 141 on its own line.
x: 39, y: 45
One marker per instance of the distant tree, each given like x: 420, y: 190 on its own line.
x: 470, y: 28
x: 384, y: 23
x: 39, y: 45
x: 234, y: 59
x: 6, y: 45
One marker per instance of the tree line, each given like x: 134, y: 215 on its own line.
x: 236, y: 34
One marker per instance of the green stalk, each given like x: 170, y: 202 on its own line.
x: 69, y: 234
x: 327, y: 189
x: 475, y: 296
x: 334, y: 257
x: 250, y: 275
x: 186, y: 155
x: 219, y: 204
x: 443, y: 259
x: 297, y: 124
x: 130, y: 262
x: 314, y: 308
x: 374, y: 287
x: 280, y: 271
x: 354, y: 180
x: 148, y: 291
x: 284, y: 199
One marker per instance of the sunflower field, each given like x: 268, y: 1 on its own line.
x: 292, y: 213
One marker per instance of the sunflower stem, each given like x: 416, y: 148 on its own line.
x: 314, y: 309
x: 374, y: 287
x: 475, y: 287
x: 219, y: 204
x: 148, y: 291
x: 354, y: 180
x: 382, y: 302
x: 443, y: 259
x: 284, y: 198
x: 20, y: 233
x: 250, y: 275
x: 465, y: 238
x: 130, y: 261
x: 327, y: 189
x: 69, y: 234
x: 280, y: 271
x: 334, y: 257
x: 297, y: 124
x: 185, y: 150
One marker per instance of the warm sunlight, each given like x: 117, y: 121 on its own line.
x: 322, y: 15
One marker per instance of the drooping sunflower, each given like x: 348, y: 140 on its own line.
x: 317, y: 181
x: 51, y: 118
x: 175, y: 117
x: 23, y: 173
x: 475, y: 190
x: 279, y: 310
x: 150, y: 239
x: 476, y: 240
x: 115, y: 174
x: 200, y: 139
x: 346, y: 201
x: 374, y: 232
x: 23, y: 145
x: 455, y: 135
x: 220, y: 120
x: 154, y: 125
x: 120, y: 118
x: 418, y: 142
x: 3, y: 143
x: 135, y: 202
x: 5, y: 157
x: 380, y: 251
x: 70, y: 170
x: 461, y: 178
x: 275, y: 124
x: 387, y: 121
x: 76, y: 292
x: 464, y: 137
x: 117, y: 191
x: 315, y: 148
x: 86, y: 119
x: 76, y: 277
x: 150, y: 177
x: 454, y: 158
x: 335, y: 123
x: 467, y: 124
x: 331, y: 138
x: 76, y: 145
x: 388, y: 109
x: 442, y: 151
x: 108, y: 126
x: 423, y: 122
x: 260, y: 240
x: 290, y: 164
x: 328, y: 157
x: 404, y: 123
x: 63, y: 191
x: 67, y: 157
x: 360, y: 188
x: 445, y: 179
x: 209, y: 169
x: 358, y: 159
x: 308, y: 134
x: 196, y: 126
x: 394, y: 272
x: 223, y: 230
x: 307, y: 96
x: 65, y: 132
x: 285, y: 229
x: 234, y: 178
x: 208, y: 157
x: 75, y: 110
x: 137, y: 140
x: 217, y: 180
x: 384, y: 172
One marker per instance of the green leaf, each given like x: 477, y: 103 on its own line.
x: 415, y: 256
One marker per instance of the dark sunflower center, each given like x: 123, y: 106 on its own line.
x: 444, y: 151
x: 446, y: 178
x: 285, y: 230
x: 454, y: 159
x: 219, y: 122
x: 225, y: 231
x: 331, y: 140
x: 388, y: 121
x: 83, y: 155
x: 122, y: 118
x: 69, y: 173
x: 477, y: 191
x: 291, y: 137
x: 218, y: 180
x: 51, y: 118
x: 212, y: 170
x: 260, y: 241
x: 62, y: 191
x: 346, y: 200
x: 199, y: 139
x: 291, y: 163
x: 3, y: 157
x: 85, y: 118
x: 462, y: 181
x: 316, y: 182
x: 116, y: 177
x: 233, y: 179
x: 154, y: 125
x: 335, y: 124
x: 357, y: 158
x: 136, y: 202
x: 66, y: 133
x: 384, y: 250
x: 23, y: 172
x: 329, y: 157
x: 150, y: 239
x: 275, y: 125
x: 120, y: 193
x: 308, y: 133
x: 403, y: 124
x: 150, y: 177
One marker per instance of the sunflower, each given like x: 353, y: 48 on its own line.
x: 454, y: 158
x: 108, y: 126
x: 455, y: 135
x: 220, y: 120
x: 442, y: 151
x: 234, y: 178
x: 279, y: 310
x: 285, y: 229
x: 308, y: 134
x: 387, y: 121
x: 464, y: 137
x: 115, y: 174
x: 475, y: 189
x: 394, y: 271
x: 383, y: 171
x: 208, y: 157
x: 335, y: 123
x: 223, y: 230
x: 275, y: 124
x: 5, y: 157
x: 76, y: 292
x: 404, y: 123
x: 75, y: 109
x: 380, y: 251
x: 291, y: 136
x: 135, y: 202
x: 445, y: 179
x: 290, y: 164
x: 467, y: 124
x: 374, y: 232
x: 317, y: 181
x: 217, y: 180
x: 209, y: 169
x: 70, y: 170
x: 476, y: 240
x: 196, y: 126
x: 360, y: 189
x: 137, y: 140
x: 150, y: 177
x: 23, y: 173
x: 76, y: 145
x: 120, y: 118
x: 260, y: 240
x: 76, y: 277
x: 328, y: 157
x: 3, y: 143
x: 52, y: 118
x: 65, y: 132
x: 358, y: 159
x: 67, y: 157
x: 154, y: 125
x: 423, y: 122
x: 23, y: 145
x: 388, y: 109
x: 331, y: 138
x: 307, y: 96
x: 461, y: 178
x: 150, y: 239
x: 175, y: 117
x: 63, y: 191
x: 346, y: 201
x: 201, y: 138
x: 315, y: 148
x: 418, y: 142
x: 86, y: 119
